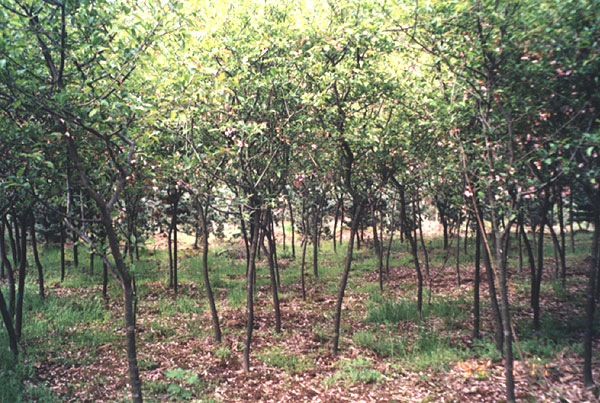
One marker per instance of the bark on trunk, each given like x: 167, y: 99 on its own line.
x: 36, y: 257
x: 476, y: 313
x: 9, y: 270
x: 6, y: 318
x: 208, y: 288
x: 302, y: 266
x: 292, y: 228
x: 589, y: 309
x: 271, y: 258
x: 358, y: 205
x: 250, y: 290
x: 22, y: 274
x: 315, y: 241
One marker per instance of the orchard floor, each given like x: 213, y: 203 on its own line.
x: 73, y: 344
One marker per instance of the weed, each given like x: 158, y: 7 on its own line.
x: 186, y: 382
x: 290, y: 363
x: 222, y: 352
x: 389, y: 346
x: 359, y: 369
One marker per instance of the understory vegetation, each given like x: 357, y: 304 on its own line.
x: 72, y: 346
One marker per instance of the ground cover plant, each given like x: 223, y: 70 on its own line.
x: 299, y: 200
x: 71, y: 347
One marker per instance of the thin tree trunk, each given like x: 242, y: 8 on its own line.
x: 335, y: 221
x: 22, y: 274
x: 315, y: 242
x: 561, y: 223
x: 174, y: 226
x: 476, y: 304
x: 292, y: 224
x: 282, y: 225
x: 358, y: 205
x: 498, y: 323
x: 535, y: 287
x: 250, y: 290
x: 572, y: 235
x: 302, y: 265
x: 590, y: 307
x: 271, y: 258
x: 558, y: 249
x: 458, y: 250
x: 245, y: 237
x: 378, y: 247
x: 104, y: 280
x: 341, y: 219
x: 9, y: 270
x: 208, y: 288
x: 62, y: 251
x: 508, y: 353
x: 413, y: 245
x: 36, y: 257
x: 170, y: 251
x: 422, y: 239
x: 6, y: 317
x: 271, y: 224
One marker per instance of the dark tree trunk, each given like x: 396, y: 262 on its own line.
x: 390, y: 240
x: 302, y: 265
x: 458, y: 251
x: 62, y: 251
x: 445, y: 229
x: 9, y: 270
x: 22, y: 274
x: 341, y: 219
x: 378, y: 246
x: 36, y: 257
x: 335, y: 221
x: 315, y: 241
x: 358, y: 206
x: 413, y: 245
x: 170, y: 251
x: 16, y: 241
x: 245, y: 237
x: 590, y: 307
x: 519, y: 241
x: 104, y: 280
x: 6, y: 318
x: 282, y: 225
x: 207, y: 287
x: 535, y: 286
x: 508, y: 352
x: 531, y: 259
x: 561, y: 224
x: 292, y: 225
x: 271, y: 258
x: 174, y: 229
x: 422, y: 239
x: 123, y: 273
x: 561, y: 255
x: 273, y: 250
x: 498, y: 324
x: 572, y: 235
x: 476, y: 305
x: 250, y: 289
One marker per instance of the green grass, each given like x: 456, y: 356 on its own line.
x: 359, y: 369
x: 289, y: 362
x: 74, y: 318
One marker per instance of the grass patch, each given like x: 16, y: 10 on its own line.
x: 290, y: 363
x: 359, y: 369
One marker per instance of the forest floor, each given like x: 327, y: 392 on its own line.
x: 74, y: 347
